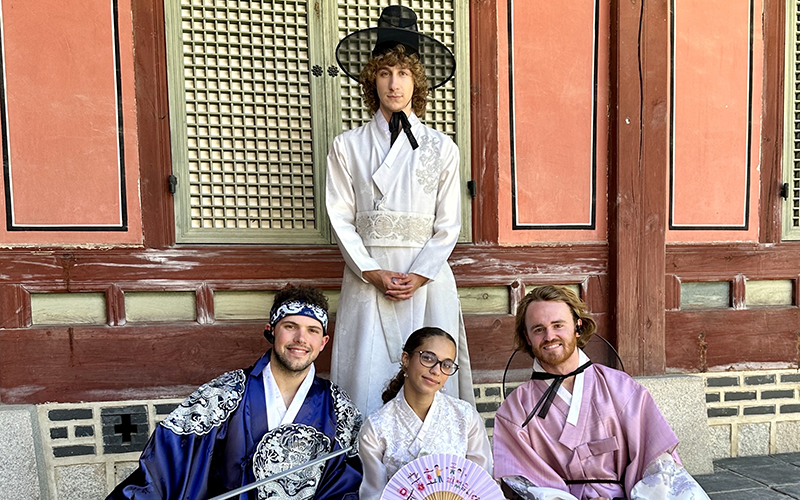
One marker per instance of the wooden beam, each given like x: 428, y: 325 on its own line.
x: 767, y: 337
x: 241, y: 267
x: 152, y: 115
x: 724, y: 261
x: 484, y: 120
x: 640, y: 77
x: 770, y: 208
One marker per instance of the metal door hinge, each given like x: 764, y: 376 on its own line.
x: 172, y: 184
x: 785, y: 190
x: 472, y: 187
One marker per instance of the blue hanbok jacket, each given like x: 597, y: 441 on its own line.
x: 218, y: 440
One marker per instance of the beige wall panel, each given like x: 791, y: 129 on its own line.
x: 160, y: 306
x: 68, y: 308
x: 484, y: 300
x: 768, y: 293
x: 242, y: 305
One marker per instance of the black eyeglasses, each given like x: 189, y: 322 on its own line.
x: 429, y: 360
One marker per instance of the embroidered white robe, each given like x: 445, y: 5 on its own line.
x: 397, y: 209
x: 394, y: 436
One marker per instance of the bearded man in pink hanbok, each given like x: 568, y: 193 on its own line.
x: 578, y: 430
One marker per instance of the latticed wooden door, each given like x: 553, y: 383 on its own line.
x: 255, y: 99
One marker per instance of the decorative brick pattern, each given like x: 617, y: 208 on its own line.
x: 777, y: 394
x: 759, y: 410
x: 125, y: 429
x: 165, y: 409
x: 96, y: 433
x: 488, y: 399
x: 70, y: 414
x: 790, y: 408
x: 58, y: 433
x: 765, y: 400
x: 722, y: 412
x: 722, y: 381
x: 759, y: 380
x: 72, y: 451
x: 740, y: 396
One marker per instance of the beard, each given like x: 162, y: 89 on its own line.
x: 569, y: 344
x: 292, y: 365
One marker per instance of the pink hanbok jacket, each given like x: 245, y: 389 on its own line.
x: 619, y: 432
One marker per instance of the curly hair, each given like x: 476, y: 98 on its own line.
x: 553, y: 293
x: 415, y: 340
x: 395, y: 57
x: 306, y: 293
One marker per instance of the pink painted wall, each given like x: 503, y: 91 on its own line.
x: 552, y: 103
x: 712, y: 78
x: 62, y: 122
x: 553, y: 68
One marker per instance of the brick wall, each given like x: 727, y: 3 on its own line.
x: 90, y: 447
x: 753, y: 412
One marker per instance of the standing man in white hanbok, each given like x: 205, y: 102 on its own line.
x: 393, y: 196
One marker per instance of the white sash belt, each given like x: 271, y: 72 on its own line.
x: 385, y: 228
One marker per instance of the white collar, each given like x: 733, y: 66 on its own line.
x: 277, y: 412
x: 575, y: 399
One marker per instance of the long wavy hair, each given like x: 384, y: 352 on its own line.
x: 395, y: 57
x: 553, y: 293
x: 415, y: 340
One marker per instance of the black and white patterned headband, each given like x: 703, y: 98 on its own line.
x: 299, y: 308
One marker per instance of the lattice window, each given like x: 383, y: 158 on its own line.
x: 791, y: 169
x: 251, y: 111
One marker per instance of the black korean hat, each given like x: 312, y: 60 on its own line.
x: 396, y: 26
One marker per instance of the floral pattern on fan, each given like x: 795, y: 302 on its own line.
x: 442, y: 476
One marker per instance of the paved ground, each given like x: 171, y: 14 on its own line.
x: 773, y: 477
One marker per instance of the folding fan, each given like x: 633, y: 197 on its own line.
x: 442, y: 477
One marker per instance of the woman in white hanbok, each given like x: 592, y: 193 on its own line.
x: 417, y: 418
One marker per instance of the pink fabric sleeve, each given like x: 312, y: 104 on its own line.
x: 648, y: 435
x: 513, y: 451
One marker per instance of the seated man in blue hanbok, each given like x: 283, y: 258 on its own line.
x: 250, y: 424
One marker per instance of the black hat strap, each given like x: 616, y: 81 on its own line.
x: 549, y: 395
x: 399, y: 119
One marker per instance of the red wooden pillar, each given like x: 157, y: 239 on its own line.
x: 638, y: 180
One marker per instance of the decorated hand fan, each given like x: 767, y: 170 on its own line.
x: 442, y: 477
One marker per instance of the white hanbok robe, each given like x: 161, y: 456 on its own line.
x: 397, y: 209
x: 394, y: 436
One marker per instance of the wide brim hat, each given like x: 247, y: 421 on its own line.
x: 396, y: 26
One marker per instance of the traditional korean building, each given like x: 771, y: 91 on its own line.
x: 164, y: 167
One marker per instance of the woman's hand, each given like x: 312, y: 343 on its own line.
x: 405, y: 287
x: 384, y: 280
x: 393, y: 285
